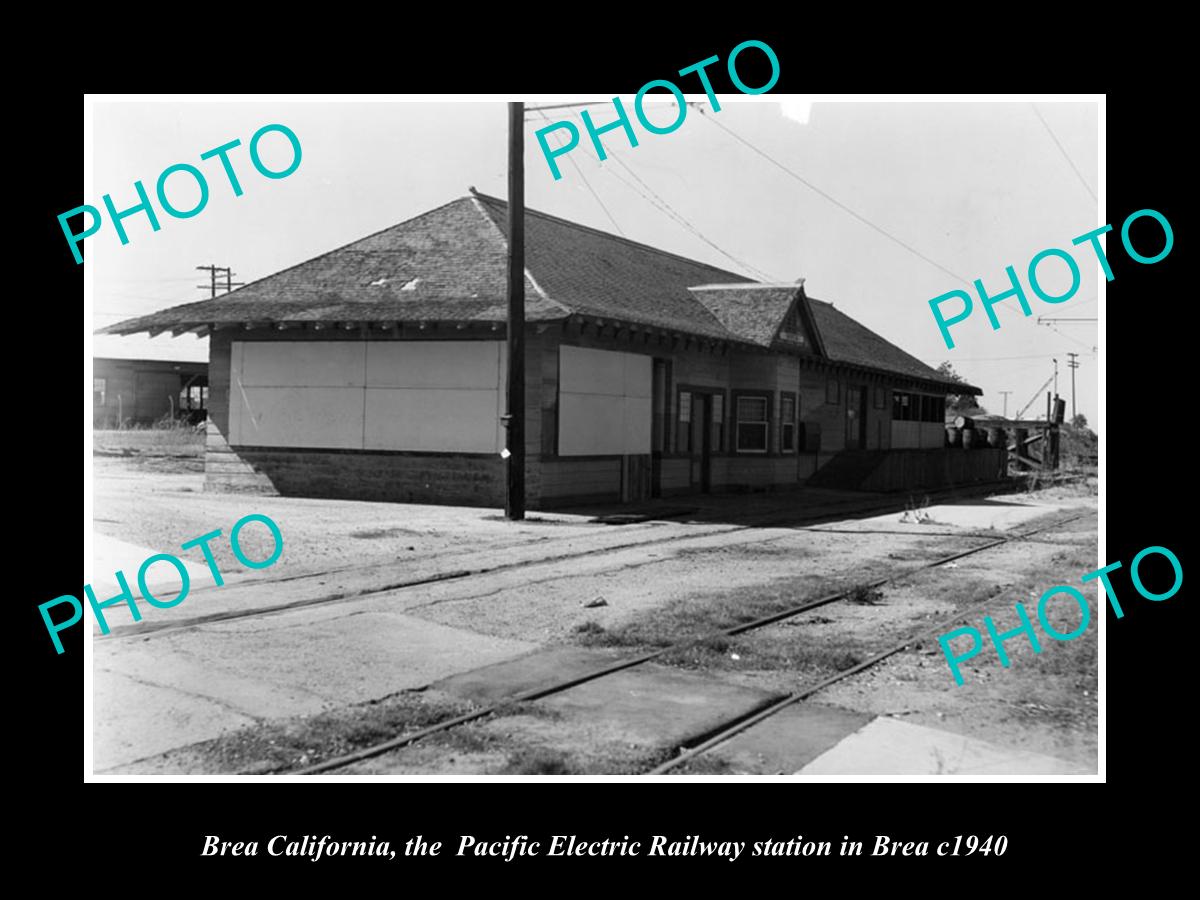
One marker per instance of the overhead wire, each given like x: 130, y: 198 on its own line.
x: 838, y: 203
x: 1054, y: 328
x: 663, y: 206
x: 682, y: 220
x: 587, y: 184
x: 809, y: 184
x: 1063, y: 151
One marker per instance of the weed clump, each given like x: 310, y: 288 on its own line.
x: 865, y: 595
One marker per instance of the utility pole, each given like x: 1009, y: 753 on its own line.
x: 514, y: 421
x: 1055, y: 377
x: 211, y: 287
x: 1073, y: 362
x: 1005, y: 393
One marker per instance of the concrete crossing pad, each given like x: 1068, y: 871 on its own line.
x: 891, y: 747
x: 790, y: 739
x: 655, y: 706
x: 152, y: 696
x: 646, y: 705
x: 542, y: 669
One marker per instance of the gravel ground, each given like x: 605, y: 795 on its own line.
x: 162, y: 510
x: 652, y: 591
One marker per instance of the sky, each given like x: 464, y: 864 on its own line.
x: 970, y: 188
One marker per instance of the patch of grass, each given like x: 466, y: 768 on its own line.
x: 773, y: 650
x: 593, y: 634
x: 865, y: 595
x: 917, y: 513
x: 148, y: 441
x: 537, y: 761
x: 745, y: 551
x: 703, y: 765
x: 695, y: 617
x: 301, y: 741
x: 530, y: 708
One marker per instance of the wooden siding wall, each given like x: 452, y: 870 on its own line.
x: 553, y: 480
x: 918, y: 435
x: 931, y: 469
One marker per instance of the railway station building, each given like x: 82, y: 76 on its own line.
x: 377, y: 371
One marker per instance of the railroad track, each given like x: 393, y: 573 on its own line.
x: 730, y: 729
x: 810, y: 518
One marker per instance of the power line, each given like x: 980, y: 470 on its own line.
x: 666, y: 208
x: 1063, y: 151
x: 123, y: 296
x: 1063, y: 334
x: 586, y: 183
x: 538, y: 109
x: 836, y: 202
x: 151, y: 280
x: 688, y: 225
x: 963, y: 359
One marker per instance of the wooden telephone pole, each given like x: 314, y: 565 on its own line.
x: 1074, y: 364
x: 514, y: 421
x: 230, y: 284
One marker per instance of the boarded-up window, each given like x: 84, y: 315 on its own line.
x: 98, y: 391
x: 752, y: 424
x: 880, y: 398
x: 433, y: 396
x: 832, y: 394
x: 604, y: 402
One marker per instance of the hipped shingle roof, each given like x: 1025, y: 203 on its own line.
x: 450, y: 265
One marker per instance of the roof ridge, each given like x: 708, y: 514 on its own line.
x: 931, y: 374
x: 504, y: 239
x: 615, y: 237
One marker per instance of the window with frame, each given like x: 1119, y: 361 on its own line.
x: 99, y: 390
x: 908, y: 407
x: 683, y: 434
x: 832, y: 393
x: 937, y: 409
x: 752, y: 423
x: 194, y: 396
x: 787, y: 423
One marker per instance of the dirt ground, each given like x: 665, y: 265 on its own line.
x: 620, y: 590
